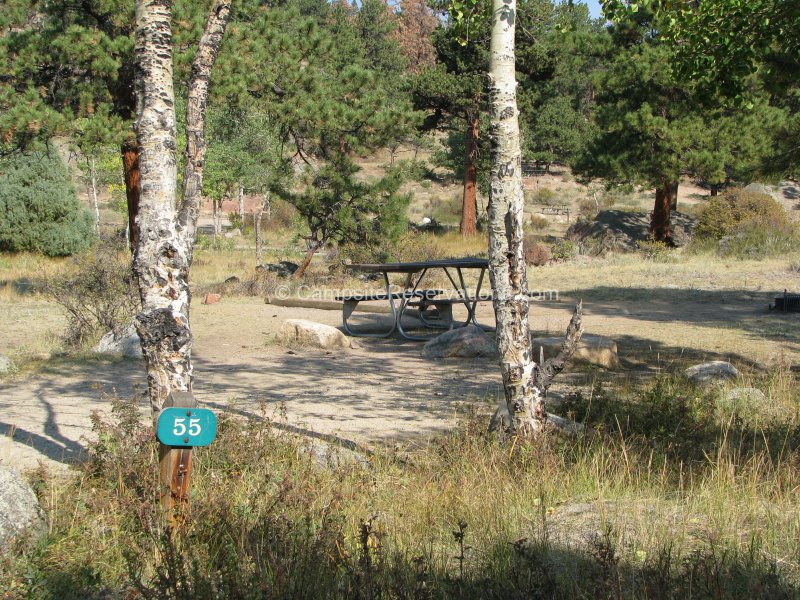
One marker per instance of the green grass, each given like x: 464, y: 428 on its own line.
x: 671, y: 494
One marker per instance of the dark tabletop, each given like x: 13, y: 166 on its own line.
x: 413, y: 267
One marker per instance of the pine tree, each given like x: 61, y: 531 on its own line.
x: 453, y: 93
x: 655, y: 127
x: 39, y: 211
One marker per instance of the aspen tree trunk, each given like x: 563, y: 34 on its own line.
x: 469, y: 201
x: 93, y: 192
x: 215, y: 216
x: 197, y: 100
x: 264, y: 207
x: 241, y: 208
x: 164, y: 237
x: 524, y: 399
x: 161, y: 260
x: 259, y: 242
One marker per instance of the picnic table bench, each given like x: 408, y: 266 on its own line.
x: 351, y: 300
x: 560, y: 209
x: 411, y: 295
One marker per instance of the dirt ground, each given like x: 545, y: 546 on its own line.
x: 383, y: 392
x: 660, y: 315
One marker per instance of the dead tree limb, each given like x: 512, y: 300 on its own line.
x: 547, y: 370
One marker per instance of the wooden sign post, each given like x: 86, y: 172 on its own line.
x: 181, y: 426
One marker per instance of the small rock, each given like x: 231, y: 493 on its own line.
x: 464, y: 342
x: 212, y: 298
x: 19, y: 508
x: 750, y: 403
x: 592, y: 350
x: 126, y: 343
x: 6, y: 365
x: 715, y: 371
x: 232, y: 280
x: 313, y: 335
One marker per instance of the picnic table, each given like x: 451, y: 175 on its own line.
x: 412, y: 295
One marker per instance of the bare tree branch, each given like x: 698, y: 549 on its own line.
x: 203, y: 62
x: 548, y: 369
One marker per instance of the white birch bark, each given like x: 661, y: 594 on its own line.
x: 259, y: 243
x: 260, y: 210
x: 215, y: 217
x: 163, y: 251
x: 93, y: 191
x: 507, y: 271
x: 197, y: 100
x: 241, y: 208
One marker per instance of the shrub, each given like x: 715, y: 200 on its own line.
x: 447, y: 211
x: 656, y: 251
x: 216, y: 243
x: 98, y: 293
x: 544, y: 196
x: 410, y: 247
x: 587, y: 208
x: 756, y: 243
x: 563, y: 250
x: 39, y: 210
x: 235, y: 219
x: 539, y: 222
x: 537, y: 255
x: 737, y: 210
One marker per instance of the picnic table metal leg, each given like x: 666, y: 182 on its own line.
x: 477, y: 298
x: 348, y: 306
x: 407, y: 295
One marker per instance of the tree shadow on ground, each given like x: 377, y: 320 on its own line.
x: 745, y: 311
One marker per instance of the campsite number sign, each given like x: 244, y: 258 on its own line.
x: 186, y: 427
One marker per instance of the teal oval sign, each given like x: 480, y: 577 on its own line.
x: 186, y: 427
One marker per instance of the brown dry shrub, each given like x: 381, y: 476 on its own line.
x: 97, y: 292
x: 537, y: 255
x: 539, y: 222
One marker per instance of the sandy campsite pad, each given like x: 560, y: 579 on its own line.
x: 383, y: 392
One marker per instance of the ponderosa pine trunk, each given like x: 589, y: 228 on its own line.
x: 165, y: 236
x: 525, y: 402
x: 660, y: 221
x: 131, y: 175
x: 312, y: 249
x: 673, y: 195
x: 469, y: 200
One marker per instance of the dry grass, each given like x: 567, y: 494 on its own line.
x: 688, y: 272
x: 22, y: 275
x: 662, y: 484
